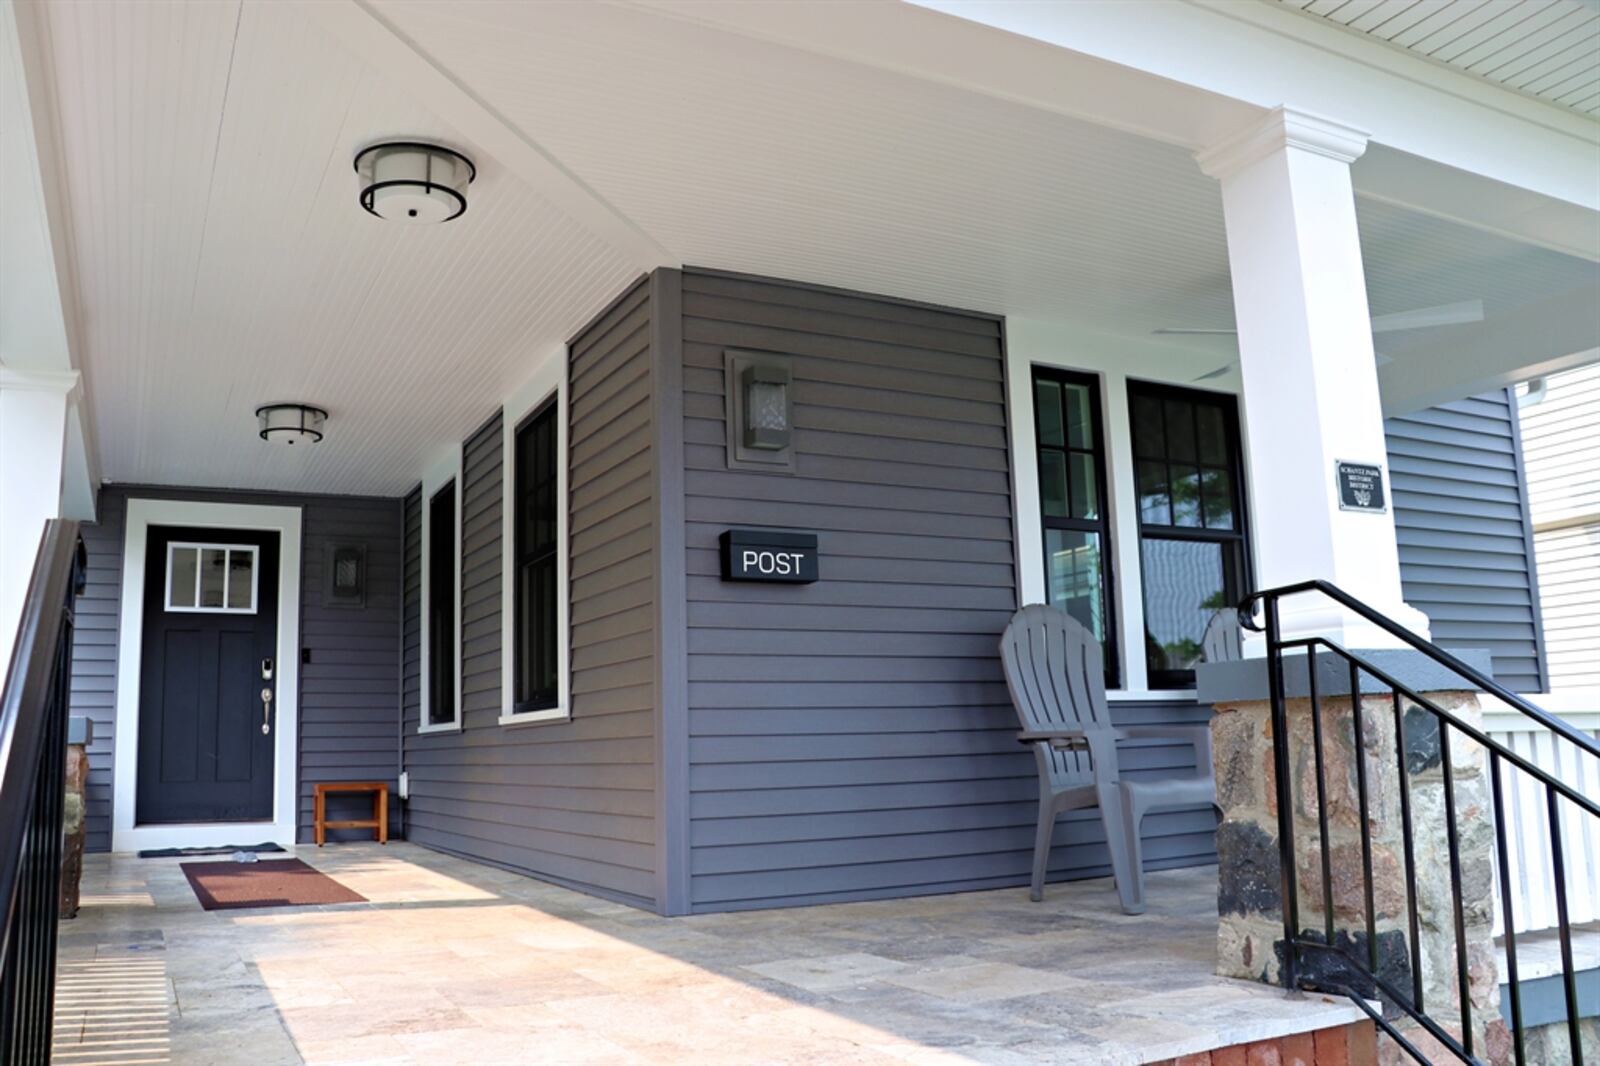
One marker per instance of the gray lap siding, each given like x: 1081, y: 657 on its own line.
x: 1465, y: 533
x: 853, y: 738
x: 571, y: 801
x: 731, y: 745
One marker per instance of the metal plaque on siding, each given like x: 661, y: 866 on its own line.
x: 1360, y: 487
x: 768, y: 555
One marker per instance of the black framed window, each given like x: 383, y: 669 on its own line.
x: 1192, y: 533
x: 1072, y: 503
x: 442, y: 605
x: 536, y: 551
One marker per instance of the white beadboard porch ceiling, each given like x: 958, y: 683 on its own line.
x: 1548, y: 49
x: 224, y: 263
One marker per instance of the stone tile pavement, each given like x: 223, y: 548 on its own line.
x: 454, y: 962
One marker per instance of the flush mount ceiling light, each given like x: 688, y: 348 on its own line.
x: 408, y: 181
x: 291, y: 423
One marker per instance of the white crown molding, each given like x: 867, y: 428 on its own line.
x: 1283, y: 128
x: 61, y: 382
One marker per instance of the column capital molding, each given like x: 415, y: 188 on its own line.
x: 1283, y: 128
x: 61, y: 382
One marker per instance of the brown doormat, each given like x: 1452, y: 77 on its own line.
x: 222, y: 886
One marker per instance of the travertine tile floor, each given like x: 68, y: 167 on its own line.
x: 453, y: 962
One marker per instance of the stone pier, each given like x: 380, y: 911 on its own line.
x: 1250, y: 906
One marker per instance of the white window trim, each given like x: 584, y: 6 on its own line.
x: 444, y: 470
x: 141, y: 515
x: 229, y: 549
x: 550, y: 379
x: 1113, y: 361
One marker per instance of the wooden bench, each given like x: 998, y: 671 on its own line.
x: 380, y: 808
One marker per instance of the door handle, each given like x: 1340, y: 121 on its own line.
x: 266, y: 711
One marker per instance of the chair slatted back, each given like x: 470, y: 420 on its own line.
x: 1223, y: 640
x: 1055, y: 670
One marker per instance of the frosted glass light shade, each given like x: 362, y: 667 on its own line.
x: 408, y: 181
x: 291, y: 423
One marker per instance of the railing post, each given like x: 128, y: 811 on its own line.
x: 1285, y: 799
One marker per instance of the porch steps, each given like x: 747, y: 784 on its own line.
x: 1354, y: 1044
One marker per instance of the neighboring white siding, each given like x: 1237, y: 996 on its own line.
x: 1569, y: 589
x: 1561, y: 448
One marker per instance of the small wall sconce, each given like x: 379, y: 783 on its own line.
x: 766, y: 406
x: 759, y: 411
x: 346, y: 570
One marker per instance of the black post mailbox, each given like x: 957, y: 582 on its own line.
x: 767, y: 555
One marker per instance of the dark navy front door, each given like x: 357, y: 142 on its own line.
x: 206, y: 732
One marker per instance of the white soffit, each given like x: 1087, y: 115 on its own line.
x: 224, y: 263
x: 742, y: 154
x: 1547, y: 49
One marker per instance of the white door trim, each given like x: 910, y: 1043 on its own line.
x: 285, y: 521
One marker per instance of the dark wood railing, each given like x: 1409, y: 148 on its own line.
x: 33, y: 754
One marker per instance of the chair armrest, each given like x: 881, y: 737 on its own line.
x: 1059, y: 738
x: 1197, y: 736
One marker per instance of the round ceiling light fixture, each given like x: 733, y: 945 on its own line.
x: 291, y: 423
x: 409, y: 181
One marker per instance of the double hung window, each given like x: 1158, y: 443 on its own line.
x: 442, y: 578
x: 1072, y: 495
x: 1192, y: 561
x: 535, y: 588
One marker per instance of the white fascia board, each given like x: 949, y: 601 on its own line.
x: 1259, y: 55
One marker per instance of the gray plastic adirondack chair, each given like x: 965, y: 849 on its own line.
x: 1054, y: 669
x: 1223, y: 640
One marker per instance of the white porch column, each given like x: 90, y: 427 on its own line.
x: 1310, y: 376
x: 33, y: 442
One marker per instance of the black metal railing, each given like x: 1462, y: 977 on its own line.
x: 33, y: 756
x: 1332, y: 959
